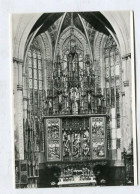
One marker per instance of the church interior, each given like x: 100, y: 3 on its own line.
x: 72, y: 99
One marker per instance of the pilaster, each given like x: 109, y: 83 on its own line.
x: 126, y: 101
x: 18, y: 101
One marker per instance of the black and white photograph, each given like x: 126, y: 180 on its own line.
x: 74, y: 99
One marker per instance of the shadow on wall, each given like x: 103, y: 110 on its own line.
x: 49, y: 177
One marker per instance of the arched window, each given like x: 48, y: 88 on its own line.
x: 35, y: 79
x: 35, y: 91
x: 112, y: 79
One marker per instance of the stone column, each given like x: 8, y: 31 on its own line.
x: 18, y: 109
x: 126, y: 124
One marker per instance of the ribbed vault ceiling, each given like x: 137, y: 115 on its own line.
x: 76, y: 21
x: 87, y: 22
x: 95, y: 19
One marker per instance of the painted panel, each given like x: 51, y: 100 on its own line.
x: 98, y: 137
x: 53, y: 138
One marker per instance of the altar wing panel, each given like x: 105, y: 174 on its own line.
x: 53, y: 136
x: 98, y: 137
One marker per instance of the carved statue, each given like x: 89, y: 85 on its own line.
x: 76, y: 145
x: 66, y: 140
x: 49, y: 106
x: 85, y: 148
x: 75, y: 107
